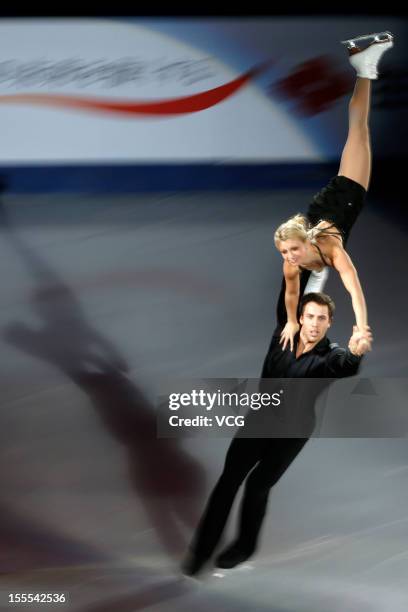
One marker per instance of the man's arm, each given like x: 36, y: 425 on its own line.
x: 342, y: 363
x: 346, y: 362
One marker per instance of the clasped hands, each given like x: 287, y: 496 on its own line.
x: 360, y: 341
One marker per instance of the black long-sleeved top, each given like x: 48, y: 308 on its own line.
x: 311, y: 373
x: 325, y: 360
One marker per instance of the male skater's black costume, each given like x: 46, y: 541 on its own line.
x: 271, y: 456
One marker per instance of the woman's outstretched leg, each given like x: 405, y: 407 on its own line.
x: 356, y: 158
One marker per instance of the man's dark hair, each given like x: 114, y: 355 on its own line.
x: 319, y: 298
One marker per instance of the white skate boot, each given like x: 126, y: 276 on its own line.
x: 366, y: 51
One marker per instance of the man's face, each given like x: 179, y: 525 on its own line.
x: 315, y: 322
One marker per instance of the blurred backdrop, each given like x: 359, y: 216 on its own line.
x: 145, y: 164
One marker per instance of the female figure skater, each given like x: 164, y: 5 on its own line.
x: 310, y: 243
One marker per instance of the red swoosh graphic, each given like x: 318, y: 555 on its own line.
x: 174, y: 106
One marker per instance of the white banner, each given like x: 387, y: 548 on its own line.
x: 125, y: 91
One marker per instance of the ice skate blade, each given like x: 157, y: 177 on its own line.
x: 377, y: 37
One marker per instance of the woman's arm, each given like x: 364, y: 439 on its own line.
x: 344, y: 266
x: 291, y: 274
x: 292, y: 290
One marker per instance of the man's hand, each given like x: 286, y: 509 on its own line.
x: 360, y: 342
x: 288, y: 333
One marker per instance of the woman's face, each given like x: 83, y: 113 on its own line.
x: 293, y: 251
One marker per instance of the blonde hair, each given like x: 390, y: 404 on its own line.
x: 300, y: 228
x: 296, y: 228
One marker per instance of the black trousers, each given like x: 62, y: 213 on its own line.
x: 265, y: 460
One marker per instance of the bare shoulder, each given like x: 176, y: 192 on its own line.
x: 290, y: 272
x: 326, y: 225
x: 340, y: 256
x: 329, y: 228
x: 331, y: 240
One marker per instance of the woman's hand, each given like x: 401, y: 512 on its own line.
x: 360, y: 341
x: 288, y: 334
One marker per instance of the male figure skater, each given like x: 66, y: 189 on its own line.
x: 268, y: 458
